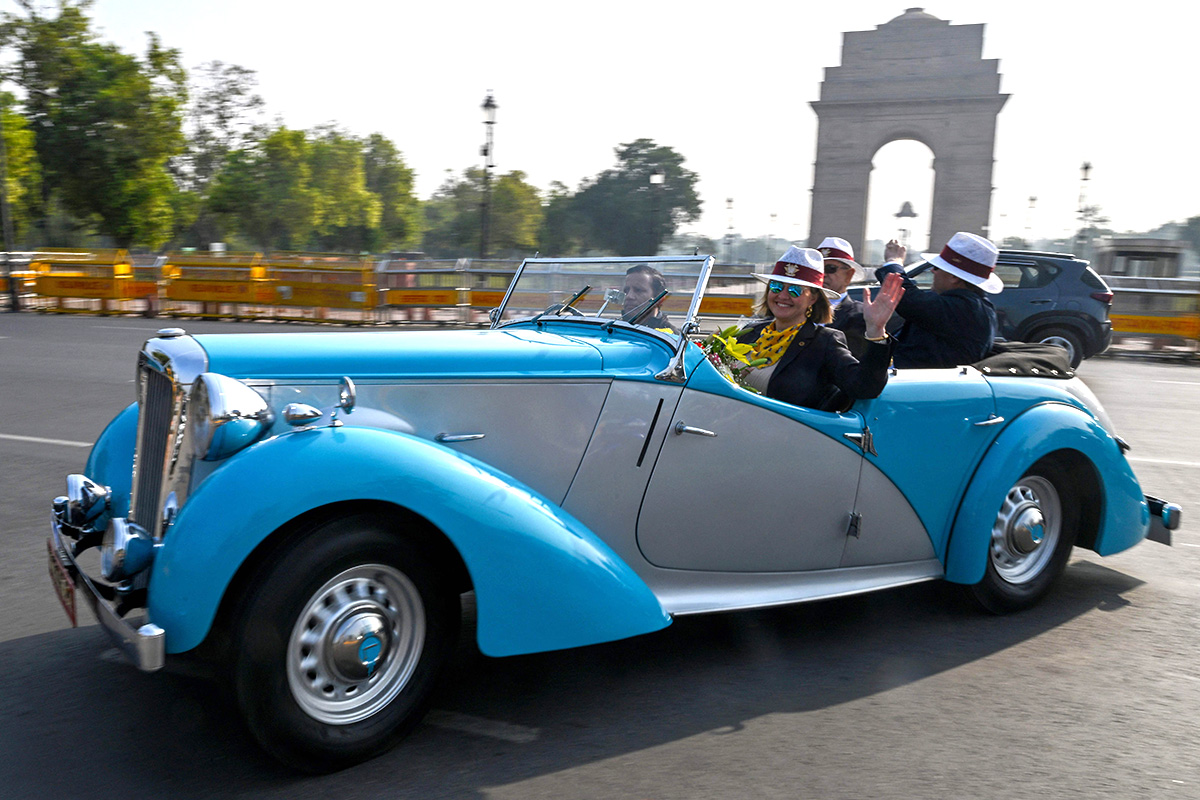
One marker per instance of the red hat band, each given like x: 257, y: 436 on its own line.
x: 982, y: 271
x: 833, y: 252
x: 788, y: 270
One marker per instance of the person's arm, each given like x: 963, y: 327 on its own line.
x: 859, y: 379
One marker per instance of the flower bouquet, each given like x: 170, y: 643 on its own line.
x: 729, y: 356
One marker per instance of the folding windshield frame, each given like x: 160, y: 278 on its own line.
x: 704, y: 265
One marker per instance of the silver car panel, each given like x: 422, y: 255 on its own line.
x: 534, y: 430
x: 767, y: 493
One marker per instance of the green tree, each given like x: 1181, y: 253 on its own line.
x: 105, y: 122
x: 266, y: 193
x: 563, y: 231
x: 23, y: 173
x: 391, y: 180
x: 453, y: 215
x: 626, y: 213
x: 347, y: 212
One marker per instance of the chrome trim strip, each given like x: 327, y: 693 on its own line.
x: 145, y: 646
x: 680, y: 593
x: 458, y: 437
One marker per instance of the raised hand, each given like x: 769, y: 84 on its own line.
x: 894, y: 251
x: 877, y: 313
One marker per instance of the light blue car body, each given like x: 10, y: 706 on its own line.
x: 542, y: 579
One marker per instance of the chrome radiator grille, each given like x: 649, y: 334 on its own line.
x: 154, y: 440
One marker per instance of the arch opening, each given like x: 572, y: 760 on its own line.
x: 902, y: 180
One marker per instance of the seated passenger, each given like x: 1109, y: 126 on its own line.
x: 642, y: 284
x: 953, y: 323
x: 807, y: 360
x: 840, y: 270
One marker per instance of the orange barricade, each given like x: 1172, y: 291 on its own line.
x: 87, y: 277
x: 318, y: 282
x: 216, y: 285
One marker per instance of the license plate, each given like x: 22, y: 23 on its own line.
x: 64, y: 585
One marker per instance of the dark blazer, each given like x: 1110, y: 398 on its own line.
x: 941, y: 330
x: 818, y: 360
x: 848, y: 318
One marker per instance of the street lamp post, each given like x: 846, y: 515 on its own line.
x: 1084, y: 213
x: 489, y: 111
x: 658, y: 177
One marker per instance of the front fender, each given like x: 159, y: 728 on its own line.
x: 1044, y: 429
x: 542, y: 580
x: 111, y: 460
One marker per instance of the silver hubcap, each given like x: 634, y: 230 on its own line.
x: 355, y: 644
x: 1027, y: 530
x: 1063, y: 343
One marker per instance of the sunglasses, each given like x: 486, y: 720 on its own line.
x: 775, y: 287
x: 832, y: 268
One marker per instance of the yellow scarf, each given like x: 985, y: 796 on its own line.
x: 771, y: 344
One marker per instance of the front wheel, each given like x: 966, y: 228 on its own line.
x: 1031, y: 540
x: 340, y: 644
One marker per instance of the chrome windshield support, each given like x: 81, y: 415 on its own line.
x: 675, y: 372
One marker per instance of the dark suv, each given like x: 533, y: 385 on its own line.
x: 1048, y: 297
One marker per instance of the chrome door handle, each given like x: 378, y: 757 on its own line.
x: 991, y: 420
x: 682, y: 428
x: 458, y: 437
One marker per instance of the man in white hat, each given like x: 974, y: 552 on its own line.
x: 840, y: 271
x: 953, y: 323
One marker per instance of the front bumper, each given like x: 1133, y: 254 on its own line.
x: 1164, y: 518
x: 145, y: 645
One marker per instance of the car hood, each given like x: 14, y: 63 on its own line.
x: 416, y: 354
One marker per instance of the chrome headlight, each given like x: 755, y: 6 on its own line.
x: 224, y: 415
x: 126, y: 550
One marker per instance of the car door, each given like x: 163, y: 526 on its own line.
x: 748, y: 484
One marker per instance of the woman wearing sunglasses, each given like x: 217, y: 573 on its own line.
x: 807, y: 362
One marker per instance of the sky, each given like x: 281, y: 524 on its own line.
x: 726, y: 85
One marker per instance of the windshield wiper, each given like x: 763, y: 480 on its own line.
x: 641, y: 311
x: 558, y: 308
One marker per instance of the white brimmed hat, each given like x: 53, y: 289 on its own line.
x: 801, y: 266
x: 970, y: 257
x: 835, y: 249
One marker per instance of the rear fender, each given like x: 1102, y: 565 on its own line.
x: 1124, y: 516
x: 542, y: 580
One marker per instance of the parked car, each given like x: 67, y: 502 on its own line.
x: 306, y: 509
x: 1049, y: 297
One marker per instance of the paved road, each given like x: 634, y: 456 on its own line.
x: 902, y: 694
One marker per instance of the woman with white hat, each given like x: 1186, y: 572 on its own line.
x: 953, y: 323
x: 806, y: 361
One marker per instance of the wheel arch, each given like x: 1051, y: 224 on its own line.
x: 1114, y: 516
x: 543, y: 581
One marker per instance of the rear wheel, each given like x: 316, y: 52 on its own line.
x: 1065, y: 338
x: 340, y: 643
x: 1031, y: 540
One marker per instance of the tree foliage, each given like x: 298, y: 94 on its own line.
x: 391, y: 180
x: 625, y: 213
x: 453, y: 216
x: 23, y: 176
x: 106, y: 122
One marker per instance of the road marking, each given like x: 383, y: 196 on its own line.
x: 465, y: 723
x: 1187, y: 544
x: 39, y: 440
x: 1180, y: 383
x: 1163, y: 461
x: 125, y: 328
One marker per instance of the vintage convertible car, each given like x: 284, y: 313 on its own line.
x: 306, y: 509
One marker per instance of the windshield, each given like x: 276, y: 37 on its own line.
x: 657, y: 293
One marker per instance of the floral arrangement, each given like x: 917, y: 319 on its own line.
x: 729, y: 356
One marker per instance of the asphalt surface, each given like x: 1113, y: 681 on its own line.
x: 901, y: 694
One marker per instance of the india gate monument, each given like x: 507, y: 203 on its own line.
x: 915, y: 77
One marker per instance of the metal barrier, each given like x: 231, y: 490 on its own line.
x: 1165, y: 311
x: 416, y: 289
x: 320, y: 282
x: 215, y: 285
x: 86, y: 277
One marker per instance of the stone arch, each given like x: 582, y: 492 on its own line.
x: 915, y: 77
